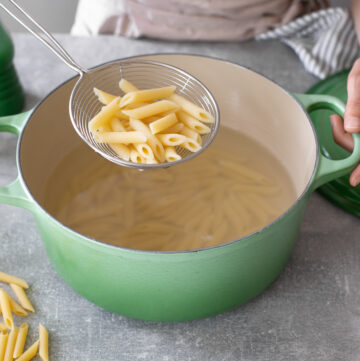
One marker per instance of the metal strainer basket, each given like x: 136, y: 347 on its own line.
x: 84, y: 104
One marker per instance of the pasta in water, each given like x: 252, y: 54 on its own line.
x: 232, y: 189
x: 155, y: 111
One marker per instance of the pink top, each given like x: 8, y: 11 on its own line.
x: 188, y: 19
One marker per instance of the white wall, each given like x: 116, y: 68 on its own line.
x: 54, y: 15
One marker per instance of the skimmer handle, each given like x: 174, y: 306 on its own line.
x: 43, y: 35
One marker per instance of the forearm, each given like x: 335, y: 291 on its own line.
x: 355, y: 6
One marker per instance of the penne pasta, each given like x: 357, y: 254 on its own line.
x: 158, y: 116
x: 192, y: 109
x: 121, y: 137
x: 171, y: 140
x: 104, y: 116
x: 116, y: 125
x: 163, y: 123
x: 9, y: 352
x: 120, y: 115
x: 5, y: 309
x: 145, y: 151
x: 154, y: 143
x: 22, y: 297
x: 43, y: 343
x: 121, y: 150
x: 16, y: 308
x: 171, y: 154
x: 6, y: 278
x: 4, y: 335
x: 193, y: 123
x: 135, y: 105
x: 189, y: 133
x: 146, y: 95
x: 174, y: 129
x: 151, y: 109
x: 191, y: 145
x: 20, y: 340
x: 104, y: 98
x: 3, y: 327
x: 126, y: 86
x: 30, y: 353
x: 135, y: 156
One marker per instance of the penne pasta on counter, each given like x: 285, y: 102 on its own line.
x: 139, y: 125
x: 13, y: 339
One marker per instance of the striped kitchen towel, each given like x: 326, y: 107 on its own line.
x: 325, y: 40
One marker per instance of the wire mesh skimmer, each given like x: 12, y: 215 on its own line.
x: 84, y: 104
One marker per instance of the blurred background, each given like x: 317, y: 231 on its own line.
x: 58, y: 15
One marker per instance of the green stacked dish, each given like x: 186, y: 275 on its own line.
x: 338, y: 191
x: 11, y: 94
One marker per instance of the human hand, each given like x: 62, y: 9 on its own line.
x: 342, y: 129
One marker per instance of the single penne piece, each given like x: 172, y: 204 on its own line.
x: 151, y: 119
x: 135, y: 156
x: 174, y: 129
x: 163, y: 123
x: 6, y: 278
x: 151, y: 161
x: 191, y: 134
x: 120, y: 137
x: 126, y: 86
x: 30, y: 353
x: 135, y: 105
x: 104, y: 116
x: 146, y: 95
x: 116, y: 125
x: 119, y: 114
x: 121, y: 150
x: 4, y: 335
x: 151, y: 109
x: 126, y: 124
x: 191, y: 145
x: 16, y: 308
x: 20, y: 340
x: 22, y: 297
x: 192, y: 109
x: 171, y: 140
x: 193, y: 123
x: 171, y: 154
x: 104, y: 98
x: 154, y: 143
x: 6, y: 309
x: 9, y: 352
x: 44, y: 343
x: 144, y: 150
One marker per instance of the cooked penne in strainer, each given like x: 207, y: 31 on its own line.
x: 99, y: 106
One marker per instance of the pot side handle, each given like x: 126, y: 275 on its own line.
x: 329, y: 169
x: 15, y: 193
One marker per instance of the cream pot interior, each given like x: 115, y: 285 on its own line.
x: 248, y: 102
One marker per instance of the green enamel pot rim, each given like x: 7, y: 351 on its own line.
x: 91, y: 241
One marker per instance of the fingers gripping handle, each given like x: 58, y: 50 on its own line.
x: 328, y: 169
x: 15, y: 193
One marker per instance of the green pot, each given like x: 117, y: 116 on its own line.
x: 178, y: 286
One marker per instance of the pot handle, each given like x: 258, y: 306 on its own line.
x: 15, y: 193
x: 329, y: 169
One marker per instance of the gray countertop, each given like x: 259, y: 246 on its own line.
x: 312, y: 312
